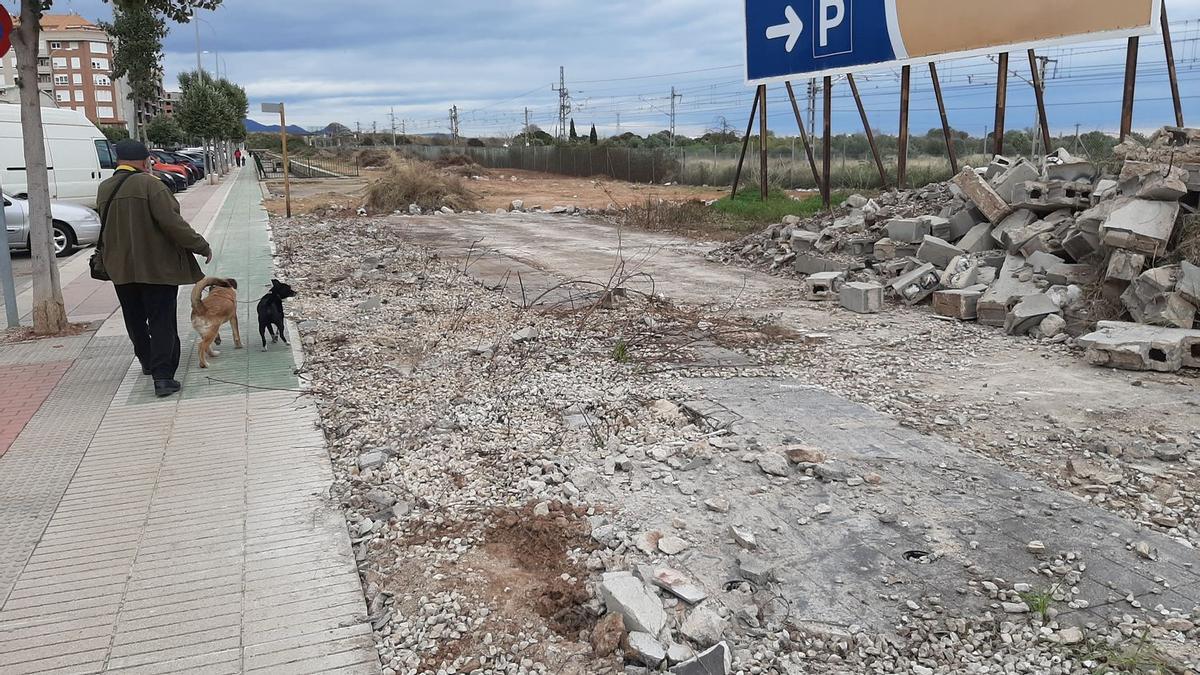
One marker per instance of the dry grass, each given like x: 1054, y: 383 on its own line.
x: 375, y: 157
x: 408, y: 182
x: 1189, y: 241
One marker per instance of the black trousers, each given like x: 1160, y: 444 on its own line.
x: 150, y: 320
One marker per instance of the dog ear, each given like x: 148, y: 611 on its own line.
x: 232, y: 283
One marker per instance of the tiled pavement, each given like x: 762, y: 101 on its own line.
x: 191, y: 534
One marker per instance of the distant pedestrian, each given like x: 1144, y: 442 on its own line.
x: 148, y: 251
x: 237, y: 157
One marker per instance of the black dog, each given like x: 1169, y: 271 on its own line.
x: 270, y: 312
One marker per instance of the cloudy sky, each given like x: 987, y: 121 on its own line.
x: 353, y: 61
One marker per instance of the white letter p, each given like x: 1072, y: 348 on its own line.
x: 829, y: 22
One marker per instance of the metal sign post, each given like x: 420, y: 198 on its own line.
x: 287, y: 183
x: 6, y: 270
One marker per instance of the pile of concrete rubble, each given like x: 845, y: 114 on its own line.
x: 1032, y: 250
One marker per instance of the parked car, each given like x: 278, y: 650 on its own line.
x: 78, y: 156
x: 74, y: 225
x: 196, y: 166
x: 174, y: 181
x: 171, y: 168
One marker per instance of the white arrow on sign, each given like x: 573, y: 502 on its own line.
x: 790, y: 30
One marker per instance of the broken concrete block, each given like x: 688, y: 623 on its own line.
x: 1009, y: 288
x: 1016, y: 222
x: 1044, y: 197
x: 917, y: 285
x: 823, y: 285
x: 885, y: 249
x: 963, y: 222
x: 1147, y: 296
x: 1007, y: 183
x: 938, y: 226
x: 1135, y: 346
x: 1052, y: 326
x: 1029, y: 313
x: 716, y: 661
x: 645, y: 649
x: 629, y: 597
x: 704, y: 627
x: 1159, y: 182
x: 1072, y: 170
x: 978, y: 239
x: 862, y: 298
x: 958, y: 304
x: 812, y: 264
x: 678, y: 584
x: 1170, y: 310
x: 755, y: 569
x: 1081, y: 246
x: 962, y: 272
x: 998, y: 165
x: 938, y: 252
x: 860, y: 246
x: 803, y: 240
x: 1189, y: 283
x: 908, y: 231
x: 893, y: 269
x: 990, y: 204
x: 1141, y: 225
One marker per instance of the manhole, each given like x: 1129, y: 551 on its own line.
x: 919, y: 557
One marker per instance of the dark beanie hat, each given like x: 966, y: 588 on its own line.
x: 132, y: 150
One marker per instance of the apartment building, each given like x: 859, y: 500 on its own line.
x: 75, y: 69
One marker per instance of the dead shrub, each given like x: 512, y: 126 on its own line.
x: 419, y: 183
x: 374, y: 157
x: 657, y: 215
x: 1189, y: 241
x: 457, y: 159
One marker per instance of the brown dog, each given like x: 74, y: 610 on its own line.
x: 211, y: 312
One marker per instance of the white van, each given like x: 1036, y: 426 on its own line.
x: 78, y: 156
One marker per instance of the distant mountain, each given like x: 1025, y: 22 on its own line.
x: 253, y: 127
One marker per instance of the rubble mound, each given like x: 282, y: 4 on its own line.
x: 408, y: 182
x: 1047, y: 251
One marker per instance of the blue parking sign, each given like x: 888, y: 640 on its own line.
x: 801, y: 37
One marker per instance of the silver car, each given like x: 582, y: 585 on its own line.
x: 74, y: 225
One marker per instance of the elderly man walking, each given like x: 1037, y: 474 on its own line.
x: 148, y: 251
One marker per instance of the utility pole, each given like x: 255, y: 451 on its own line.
x: 527, y: 127
x: 454, y: 125
x: 812, y: 107
x: 674, y: 96
x: 564, y: 103
x: 618, y: 124
x: 1043, y: 61
x: 392, y: 115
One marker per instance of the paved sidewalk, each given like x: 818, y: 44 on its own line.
x: 191, y: 534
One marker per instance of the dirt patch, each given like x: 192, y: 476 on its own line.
x: 548, y: 190
x: 24, y: 334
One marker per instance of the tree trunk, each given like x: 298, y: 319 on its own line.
x: 49, y: 313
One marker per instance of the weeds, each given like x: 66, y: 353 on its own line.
x: 620, y: 352
x: 407, y: 182
x: 749, y: 206
x: 1138, y: 657
x: 1040, y: 601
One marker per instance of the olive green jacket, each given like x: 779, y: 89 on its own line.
x: 145, y: 240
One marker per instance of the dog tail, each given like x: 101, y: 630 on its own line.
x: 203, y: 285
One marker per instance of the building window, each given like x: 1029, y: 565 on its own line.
x: 62, y: 79
x: 79, y: 95
x: 59, y: 61
x: 43, y: 79
x: 99, y: 47
x: 55, y: 45
x: 43, y: 62
x: 72, y: 45
x: 77, y: 78
x: 104, y: 112
x: 99, y: 64
x: 62, y: 96
x: 75, y: 62
x: 103, y: 96
x: 101, y: 81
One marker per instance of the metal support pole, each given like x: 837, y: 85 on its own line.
x: 1001, y: 104
x: 827, y: 144
x: 6, y: 275
x: 1039, y: 90
x: 1171, y: 71
x: 762, y: 140
x: 808, y: 151
x: 737, y: 176
x: 862, y: 112
x: 902, y: 147
x: 1131, y: 59
x: 937, y: 92
x: 287, y: 181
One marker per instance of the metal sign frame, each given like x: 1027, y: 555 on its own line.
x: 899, y: 48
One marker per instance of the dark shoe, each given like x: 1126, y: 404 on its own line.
x: 163, y: 388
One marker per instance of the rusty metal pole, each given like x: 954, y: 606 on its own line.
x: 1039, y: 90
x: 1001, y: 104
x: 1171, y: 71
x: 828, y: 143
x: 937, y: 92
x: 737, y: 177
x: 1131, y: 59
x: 808, y: 151
x: 762, y: 145
x: 902, y: 146
x: 862, y: 112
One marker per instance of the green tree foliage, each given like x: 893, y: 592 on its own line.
x: 164, y: 131
x: 237, y: 107
x: 203, y: 112
x: 574, y: 136
x: 115, y: 132
x: 593, y: 137
x: 139, y: 33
